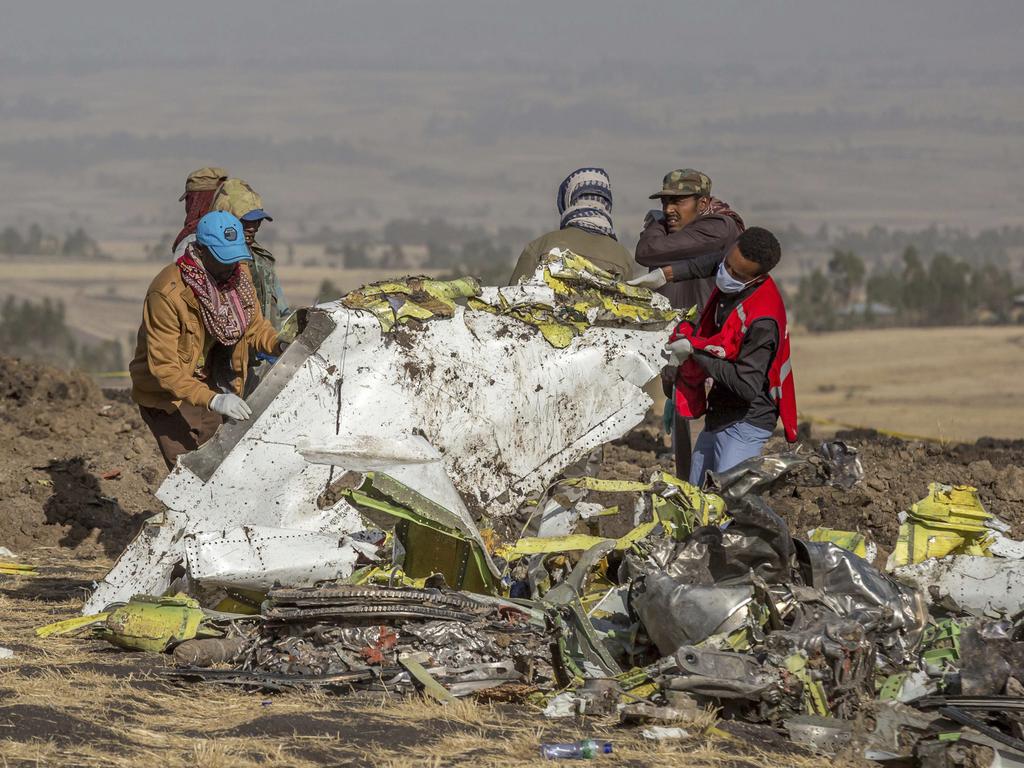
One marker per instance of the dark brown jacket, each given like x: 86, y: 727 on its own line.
x: 657, y: 248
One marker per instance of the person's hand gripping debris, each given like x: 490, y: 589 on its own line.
x: 231, y: 405
x: 676, y: 352
x: 654, y: 279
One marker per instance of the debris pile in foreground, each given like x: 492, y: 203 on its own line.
x: 451, y: 550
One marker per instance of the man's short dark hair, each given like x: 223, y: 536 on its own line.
x: 759, y: 245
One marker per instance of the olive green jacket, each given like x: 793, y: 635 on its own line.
x: 606, y: 253
x: 268, y: 287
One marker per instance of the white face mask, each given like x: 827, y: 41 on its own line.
x: 727, y: 283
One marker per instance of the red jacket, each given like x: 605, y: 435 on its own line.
x: 764, y: 302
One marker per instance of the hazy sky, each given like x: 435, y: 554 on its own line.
x: 854, y: 112
x: 549, y: 35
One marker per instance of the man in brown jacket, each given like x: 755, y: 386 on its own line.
x: 691, y: 223
x: 200, y: 317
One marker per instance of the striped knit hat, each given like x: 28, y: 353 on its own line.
x: 585, y: 201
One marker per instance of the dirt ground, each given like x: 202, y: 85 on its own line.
x: 77, y: 473
x: 77, y: 467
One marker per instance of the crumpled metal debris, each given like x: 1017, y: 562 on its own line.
x: 676, y: 614
x: 717, y: 674
x: 704, y: 585
x: 820, y: 734
x: 842, y: 464
x: 438, y: 405
x: 853, y: 588
x: 396, y: 639
x: 411, y: 299
x: 991, y: 660
x: 786, y: 626
x: 753, y: 475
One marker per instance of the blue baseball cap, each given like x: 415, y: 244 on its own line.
x: 222, y: 234
x: 257, y: 215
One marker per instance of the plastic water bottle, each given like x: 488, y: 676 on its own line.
x: 581, y: 750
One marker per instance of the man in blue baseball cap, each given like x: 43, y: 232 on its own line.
x: 199, y: 319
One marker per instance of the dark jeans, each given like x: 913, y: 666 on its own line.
x: 181, y: 431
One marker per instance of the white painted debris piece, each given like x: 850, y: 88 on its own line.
x: 664, y: 733
x: 474, y: 412
x: 983, y: 586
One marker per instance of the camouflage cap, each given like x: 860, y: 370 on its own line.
x: 237, y: 197
x: 206, y: 178
x: 684, y: 182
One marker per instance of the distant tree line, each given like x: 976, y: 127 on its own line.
x: 915, y: 291
x: 35, y: 242
x: 877, y: 244
x: 442, y: 245
x: 39, y: 331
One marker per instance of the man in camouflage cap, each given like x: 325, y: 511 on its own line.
x: 690, y: 223
x: 240, y: 199
x: 684, y: 182
x: 200, y: 188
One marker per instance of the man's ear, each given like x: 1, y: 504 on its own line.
x: 702, y: 205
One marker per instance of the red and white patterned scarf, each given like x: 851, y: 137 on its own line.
x: 721, y: 207
x: 227, y: 308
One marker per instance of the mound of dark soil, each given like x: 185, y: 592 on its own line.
x: 77, y: 468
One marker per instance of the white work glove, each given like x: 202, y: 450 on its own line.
x: 652, y: 216
x: 231, y: 406
x: 653, y: 280
x: 676, y: 353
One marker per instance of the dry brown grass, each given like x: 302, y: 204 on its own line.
x: 954, y: 384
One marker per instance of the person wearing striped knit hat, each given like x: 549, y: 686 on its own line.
x: 584, y: 202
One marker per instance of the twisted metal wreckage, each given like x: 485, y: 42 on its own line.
x: 350, y: 535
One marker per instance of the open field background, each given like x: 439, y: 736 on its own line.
x: 104, y: 299
x: 954, y: 384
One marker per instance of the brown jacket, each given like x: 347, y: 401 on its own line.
x: 172, y: 340
x: 606, y: 252
x: 659, y: 248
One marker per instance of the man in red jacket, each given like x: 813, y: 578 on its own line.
x: 741, y: 343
